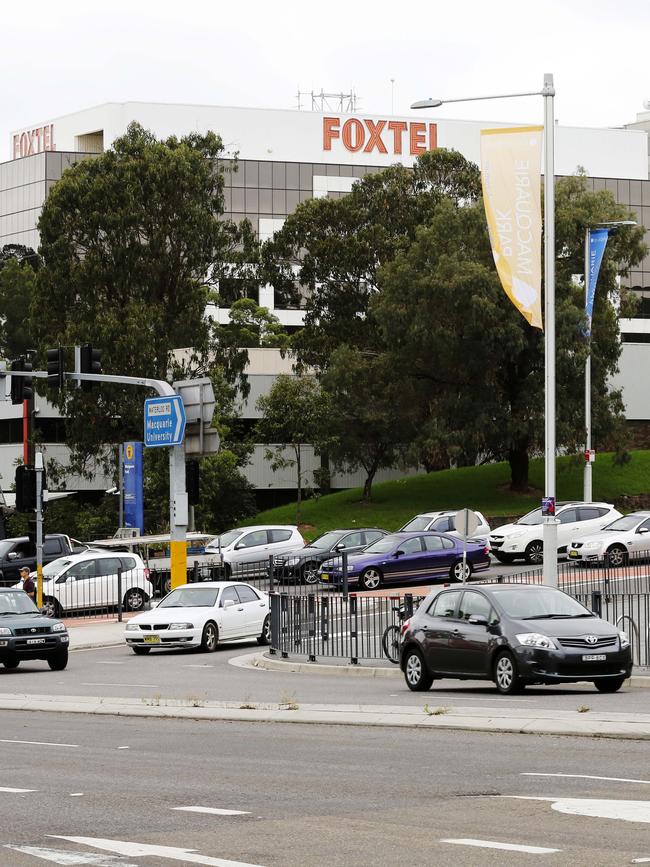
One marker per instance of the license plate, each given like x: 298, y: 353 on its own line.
x: 594, y: 657
x: 573, y: 553
x: 35, y: 641
x: 152, y: 639
x: 324, y: 577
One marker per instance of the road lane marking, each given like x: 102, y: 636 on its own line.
x: 123, y: 683
x: 69, y: 857
x: 11, y: 790
x: 109, y: 662
x: 37, y: 743
x: 508, y: 847
x: 215, y: 811
x: 124, y: 847
x: 599, y: 808
x: 588, y: 777
x: 198, y: 665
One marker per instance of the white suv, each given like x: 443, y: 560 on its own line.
x: 247, y: 549
x: 444, y: 522
x: 90, y: 580
x: 523, y: 539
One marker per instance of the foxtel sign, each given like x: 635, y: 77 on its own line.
x: 33, y: 141
x: 383, y: 136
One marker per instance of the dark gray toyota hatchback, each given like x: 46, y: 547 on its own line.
x: 26, y: 634
x: 513, y: 634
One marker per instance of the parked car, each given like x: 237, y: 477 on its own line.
x: 90, y: 580
x: 444, y: 522
x: 19, y: 552
x: 303, y: 565
x: 202, y: 615
x: 408, y: 557
x: 247, y: 549
x: 26, y: 633
x: 625, y: 536
x: 523, y: 539
x: 513, y: 634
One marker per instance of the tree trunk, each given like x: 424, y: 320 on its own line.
x: 299, y: 471
x: 518, y: 460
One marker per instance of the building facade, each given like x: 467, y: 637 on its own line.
x: 287, y: 157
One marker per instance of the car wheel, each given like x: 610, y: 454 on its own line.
x: 535, y: 552
x: 210, y: 638
x: 417, y: 675
x: 58, y: 661
x: 506, y: 678
x: 134, y: 599
x: 310, y: 573
x: 617, y: 556
x: 607, y: 685
x: 140, y: 651
x: 51, y: 607
x: 391, y: 642
x: 504, y: 558
x: 11, y: 662
x: 265, y: 637
x: 370, y: 579
x: 456, y: 572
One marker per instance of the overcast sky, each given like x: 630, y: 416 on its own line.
x: 60, y: 56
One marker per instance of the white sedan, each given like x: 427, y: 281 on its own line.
x: 202, y: 615
x: 625, y: 538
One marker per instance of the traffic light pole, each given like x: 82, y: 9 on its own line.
x: 38, y: 466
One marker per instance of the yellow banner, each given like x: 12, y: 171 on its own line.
x: 510, y: 174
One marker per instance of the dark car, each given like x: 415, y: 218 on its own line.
x: 26, y: 634
x: 513, y: 634
x: 408, y: 557
x: 303, y: 565
x: 20, y: 552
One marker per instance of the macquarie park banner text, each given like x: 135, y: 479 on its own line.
x: 510, y: 174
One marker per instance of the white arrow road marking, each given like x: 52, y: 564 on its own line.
x: 626, y: 811
x: 589, y: 777
x: 135, y: 850
x: 60, y: 856
x: 15, y: 791
x: 215, y: 811
x: 37, y: 743
x: 508, y: 847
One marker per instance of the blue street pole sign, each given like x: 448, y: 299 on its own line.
x: 133, y: 486
x: 164, y: 421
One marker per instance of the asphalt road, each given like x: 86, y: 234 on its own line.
x: 189, y: 675
x: 116, y: 791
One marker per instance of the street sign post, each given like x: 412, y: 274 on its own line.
x: 164, y: 421
x: 467, y: 523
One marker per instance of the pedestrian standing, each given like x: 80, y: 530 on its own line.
x: 29, y: 585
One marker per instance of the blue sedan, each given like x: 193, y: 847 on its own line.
x: 408, y: 557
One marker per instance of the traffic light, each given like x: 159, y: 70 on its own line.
x: 25, y: 488
x: 192, y: 482
x: 91, y: 362
x: 21, y: 386
x: 55, y: 373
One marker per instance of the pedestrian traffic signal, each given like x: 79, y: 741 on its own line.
x: 25, y: 488
x: 91, y: 362
x: 192, y: 482
x: 55, y: 373
x: 21, y: 386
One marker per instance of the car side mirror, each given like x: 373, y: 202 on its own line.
x: 339, y: 547
x: 12, y: 555
x: 643, y: 530
x: 61, y: 579
x: 239, y: 545
x: 399, y: 553
x: 229, y: 603
x: 478, y: 620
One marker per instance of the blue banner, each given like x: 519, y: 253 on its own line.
x: 597, y: 244
x: 133, y: 486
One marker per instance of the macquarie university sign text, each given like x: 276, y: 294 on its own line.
x: 365, y: 135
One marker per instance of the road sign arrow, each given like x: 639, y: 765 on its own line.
x: 135, y: 850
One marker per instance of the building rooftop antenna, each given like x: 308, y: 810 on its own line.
x: 337, y: 103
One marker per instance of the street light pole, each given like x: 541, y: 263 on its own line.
x: 548, y: 93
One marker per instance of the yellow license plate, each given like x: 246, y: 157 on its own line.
x: 152, y: 639
x: 573, y: 553
x: 324, y: 577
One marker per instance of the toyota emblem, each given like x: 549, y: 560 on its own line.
x: 591, y: 639
x: 33, y: 630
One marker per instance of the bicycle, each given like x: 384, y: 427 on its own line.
x: 391, y: 640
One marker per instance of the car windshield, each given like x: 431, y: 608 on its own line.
x: 55, y: 567
x: 629, y: 522
x: 191, y: 597
x: 538, y: 603
x: 418, y: 523
x: 17, y: 603
x: 534, y: 517
x: 224, y: 539
x: 326, y: 541
x: 381, y: 546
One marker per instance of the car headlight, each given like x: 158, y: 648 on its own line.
x: 592, y: 545
x: 181, y: 626
x: 58, y: 627
x: 513, y: 536
x: 132, y: 626
x: 4, y: 630
x: 536, y: 639
x: 625, y: 641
